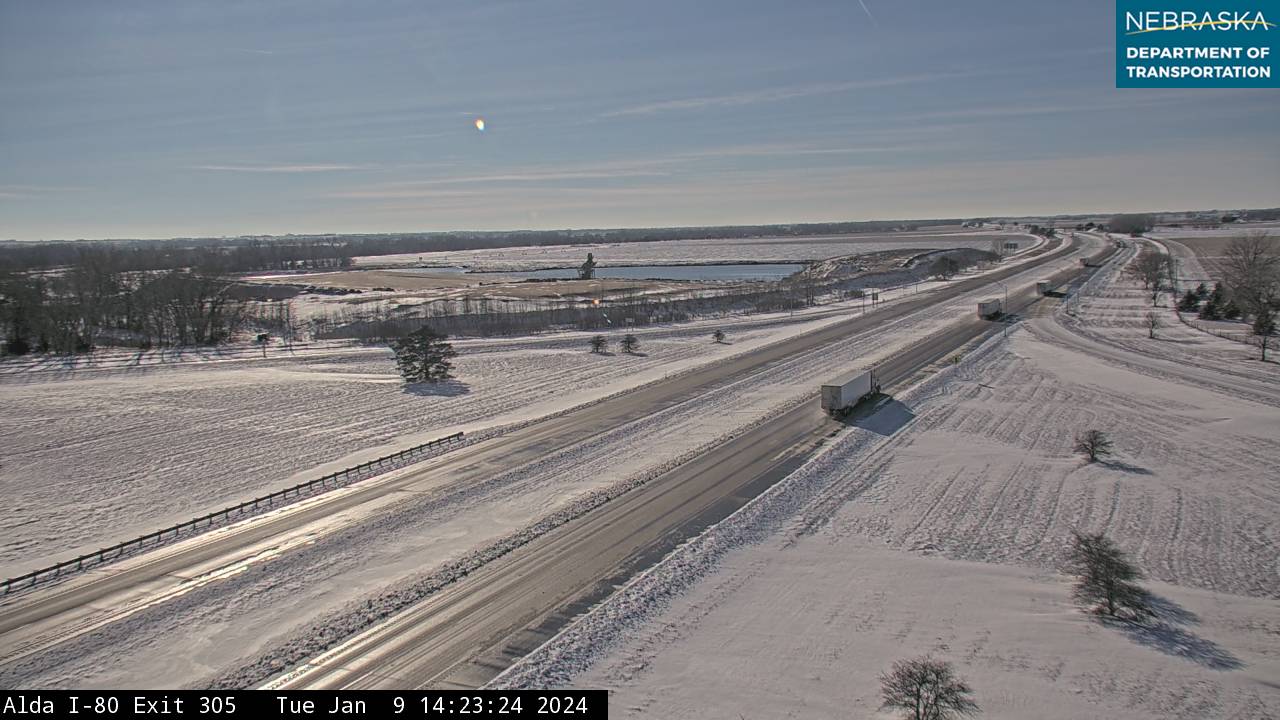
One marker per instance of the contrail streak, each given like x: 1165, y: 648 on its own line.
x: 868, y: 12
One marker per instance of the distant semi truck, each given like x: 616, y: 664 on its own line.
x: 841, y: 395
x: 1043, y: 287
x: 990, y: 308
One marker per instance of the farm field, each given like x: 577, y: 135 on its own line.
x: 940, y: 526
x: 1207, y: 246
x: 689, y: 251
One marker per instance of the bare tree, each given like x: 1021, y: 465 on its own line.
x: 598, y: 344
x: 1150, y: 268
x: 1094, y: 444
x: 1152, y: 322
x: 944, y: 268
x: 1264, y: 329
x: 630, y: 344
x: 717, y: 336
x: 1251, y: 269
x: 926, y: 689
x: 1105, y: 578
x: 288, y: 324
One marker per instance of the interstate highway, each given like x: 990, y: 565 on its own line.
x: 31, y: 621
x: 468, y: 632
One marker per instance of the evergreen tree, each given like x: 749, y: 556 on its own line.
x: 630, y: 344
x: 1202, y: 291
x: 423, y: 356
x: 718, y: 336
x: 1219, y: 294
x: 1190, y: 302
x: 1212, y: 308
x: 598, y: 344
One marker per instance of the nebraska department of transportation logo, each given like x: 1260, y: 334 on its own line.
x: 1197, y: 44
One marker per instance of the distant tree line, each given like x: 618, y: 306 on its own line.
x: 334, y: 251
x: 1133, y: 224
x: 237, y: 255
x: 97, y: 300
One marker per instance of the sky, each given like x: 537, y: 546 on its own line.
x: 180, y: 118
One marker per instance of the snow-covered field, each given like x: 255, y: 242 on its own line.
x: 1225, y: 230
x: 692, y: 251
x: 940, y: 526
x: 107, y: 447
x: 355, y: 570
x: 103, y: 453
x: 1111, y: 319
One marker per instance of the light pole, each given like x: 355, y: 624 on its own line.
x: 1005, y: 307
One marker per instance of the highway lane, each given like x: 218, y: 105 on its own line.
x: 32, y: 621
x: 465, y: 634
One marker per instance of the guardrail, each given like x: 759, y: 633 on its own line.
x: 336, y: 479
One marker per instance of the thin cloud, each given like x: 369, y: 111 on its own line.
x: 788, y: 150
x: 13, y: 192
x: 646, y: 169
x: 770, y: 95
x: 868, y: 12
x: 281, y: 168
x: 426, y: 188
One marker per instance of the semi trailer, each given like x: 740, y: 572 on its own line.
x: 842, y: 394
x: 992, y: 308
x: 1043, y: 287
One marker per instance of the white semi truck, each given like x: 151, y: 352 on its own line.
x: 990, y: 308
x: 1043, y: 287
x: 841, y: 395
